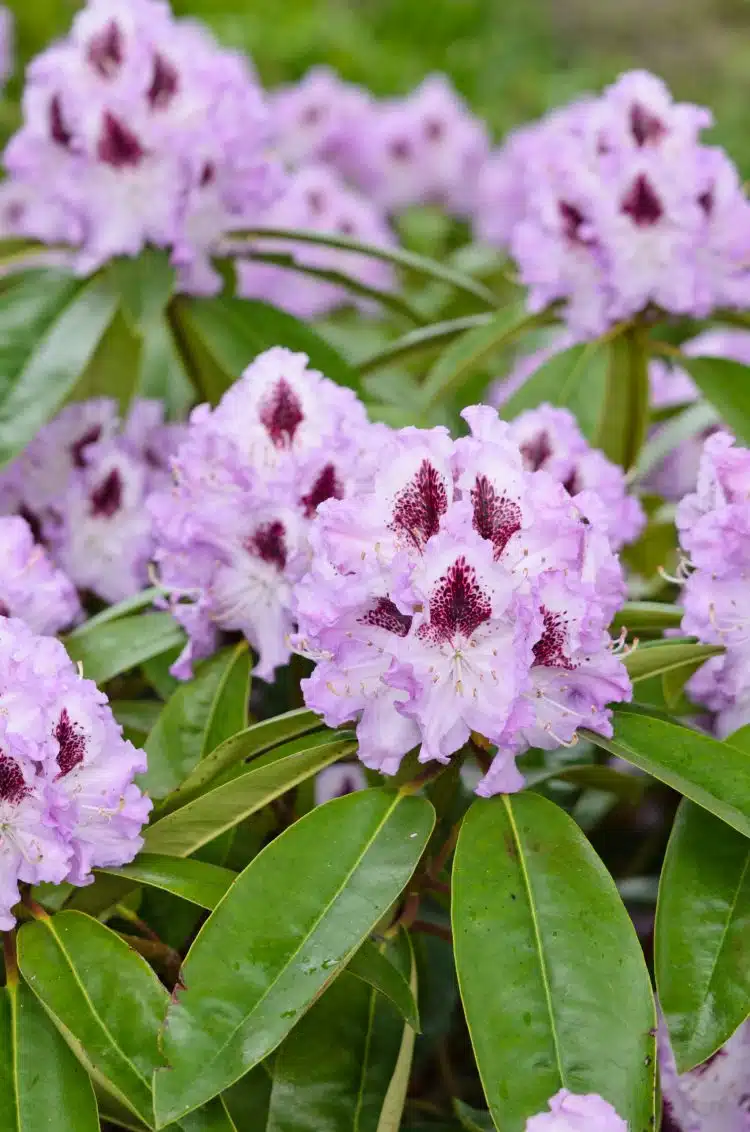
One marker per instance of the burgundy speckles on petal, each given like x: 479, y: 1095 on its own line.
x: 536, y: 452
x: 118, y: 146
x: 281, y: 414
x: 434, y: 129
x: 164, y: 84
x: 550, y: 648
x: 572, y: 218
x: 72, y: 744
x: 496, y: 517
x: 326, y: 486
x: 458, y: 605
x: 573, y: 484
x: 106, y: 499
x: 419, y: 506
x: 400, y: 149
x: 268, y: 543
x: 385, y: 615
x: 645, y: 127
x: 13, y: 788
x: 59, y: 132
x: 642, y: 204
x: 105, y: 52
x: 77, y: 449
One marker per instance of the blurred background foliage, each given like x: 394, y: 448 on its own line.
x: 513, y: 59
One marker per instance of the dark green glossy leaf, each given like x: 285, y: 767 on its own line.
x: 624, y: 419
x: 42, y: 1084
x: 471, y: 351
x: 593, y: 776
x: 225, y: 335
x: 117, y: 646
x: 647, y: 616
x: 573, y: 379
x: 726, y: 386
x: 653, y: 658
x: 243, y: 746
x: 715, y: 775
x: 247, y: 1101
x: 392, y: 1112
x: 372, y: 965
x: 115, y: 366
x: 422, y: 339
x: 136, y: 715
x: 213, y: 1117
x: 553, y: 979
x: 197, y: 881
x: 144, y: 284
x: 212, y: 705
x: 107, y: 999
x: 54, y: 364
x: 472, y: 1119
x: 702, y: 927
x: 162, y: 375
x: 249, y: 977
x: 183, y: 831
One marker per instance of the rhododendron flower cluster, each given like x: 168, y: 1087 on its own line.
x: 713, y: 1097
x: 317, y: 200
x: 570, y: 1112
x: 139, y: 129
x: 31, y: 587
x: 68, y: 802
x: 82, y: 484
x: 714, y: 528
x: 459, y: 593
x: 233, y: 530
x: 613, y: 204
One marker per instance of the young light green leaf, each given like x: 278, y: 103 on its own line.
x: 702, y: 923
x: 573, y: 379
x: 725, y: 385
x: 42, y: 1084
x: 647, y: 616
x: 248, y: 977
x: 392, y: 1112
x: 72, y: 963
x: 183, y: 831
x: 422, y: 339
x: 713, y: 774
x: 117, y: 646
x: 197, y: 881
x: 550, y: 969
x: 372, y: 965
x: 213, y: 704
x: 653, y: 658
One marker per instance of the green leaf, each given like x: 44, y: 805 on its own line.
x: 180, y: 833
x: 135, y: 604
x: 472, y: 1119
x: 213, y: 1117
x: 213, y: 704
x: 196, y: 881
x: 247, y: 1101
x: 573, y: 379
x: 715, y: 775
x: 117, y: 646
x: 42, y: 1084
x: 552, y: 977
x: 162, y: 375
x: 244, y: 745
x: 421, y: 339
x: 726, y: 386
x: 115, y: 366
x: 249, y: 977
x: 468, y: 353
x: 144, y: 284
x: 702, y: 925
x: 395, y: 1099
x: 372, y: 965
x: 225, y: 335
x: 593, y: 776
x: 687, y: 425
x: 30, y: 303
x: 53, y: 365
x: 396, y: 255
x: 136, y: 715
x: 624, y: 419
x: 652, y: 658
x: 106, y: 999
x: 647, y: 617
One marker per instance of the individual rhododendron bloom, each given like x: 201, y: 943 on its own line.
x: 82, y: 484
x: 31, y: 587
x: 426, y: 148
x: 140, y: 130
x: 713, y: 1097
x: 571, y: 1112
x: 461, y: 592
x: 714, y: 528
x: 318, y: 200
x: 232, y: 532
x: 68, y: 802
x: 317, y: 119
x: 613, y: 205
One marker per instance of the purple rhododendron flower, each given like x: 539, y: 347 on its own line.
x: 458, y: 592
x: 138, y: 129
x: 318, y: 119
x: 316, y: 199
x: 613, y: 205
x: 232, y: 533
x: 713, y: 1097
x: 68, y: 802
x: 31, y: 587
x: 570, y: 1112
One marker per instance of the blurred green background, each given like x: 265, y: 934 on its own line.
x: 512, y: 59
